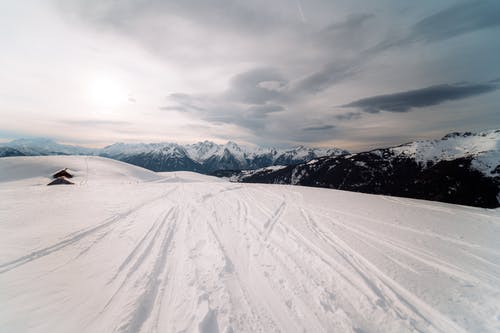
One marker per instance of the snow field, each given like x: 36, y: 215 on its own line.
x: 128, y: 250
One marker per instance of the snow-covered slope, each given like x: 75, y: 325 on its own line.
x: 188, y: 177
x: 37, y: 170
x: 156, y: 254
x: 483, y: 147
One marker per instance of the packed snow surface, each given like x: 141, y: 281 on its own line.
x: 128, y: 250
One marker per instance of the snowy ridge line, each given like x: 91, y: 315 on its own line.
x: 202, y: 151
x: 483, y: 147
x: 203, y: 156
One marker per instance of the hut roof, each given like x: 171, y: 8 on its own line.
x: 60, y: 181
x: 62, y: 173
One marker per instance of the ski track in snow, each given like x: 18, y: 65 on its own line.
x: 218, y: 257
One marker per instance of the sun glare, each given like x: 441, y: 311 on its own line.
x: 105, y: 92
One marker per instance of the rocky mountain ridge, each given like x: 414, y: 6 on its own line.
x: 461, y: 168
x: 204, y: 157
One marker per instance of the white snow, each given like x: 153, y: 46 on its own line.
x: 269, y: 168
x: 188, y: 177
x: 484, y: 147
x: 128, y: 250
x: 274, y: 167
x: 37, y: 170
x: 202, y: 151
x: 248, y: 173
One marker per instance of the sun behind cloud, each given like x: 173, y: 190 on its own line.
x: 106, y: 93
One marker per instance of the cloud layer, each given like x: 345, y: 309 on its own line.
x: 419, y: 98
x: 270, y: 73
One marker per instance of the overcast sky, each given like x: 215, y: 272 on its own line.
x: 347, y: 73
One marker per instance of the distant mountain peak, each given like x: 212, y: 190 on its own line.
x: 482, y: 146
x: 461, y: 168
x: 33, y: 141
x: 204, y: 156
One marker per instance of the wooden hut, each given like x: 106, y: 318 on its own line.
x: 62, y: 173
x: 60, y: 181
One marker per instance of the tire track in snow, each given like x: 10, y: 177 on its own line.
x: 146, y: 301
x: 271, y: 223
x: 229, y: 283
x: 291, y: 280
x: 250, y: 297
x: 314, y: 264
x: 385, y: 287
x: 75, y: 237
x: 413, y: 230
x: 139, y: 257
x: 228, y: 263
x: 211, y: 195
x: 282, y: 267
x: 345, y: 254
x: 419, y: 255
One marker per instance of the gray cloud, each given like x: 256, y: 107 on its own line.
x: 456, y: 20
x: 257, y: 86
x: 184, y: 103
x: 218, y: 110
x: 329, y: 75
x: 351, y: 22
x: 281, y: 67
x: 319, y: 128
x: 258, y: 25
x: 429, y: 96
x: 240, y: 15
x: 453, y: 21
x: 263, y: 110
x: 459, y: 19
x: 348, y: 116
x: 248, y: 102
x: 338, y: 40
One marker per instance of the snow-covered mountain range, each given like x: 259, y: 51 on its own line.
x: 207, y: 156
x: 204, y: 157
x: 461, y: 168
x: 42, y: 147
